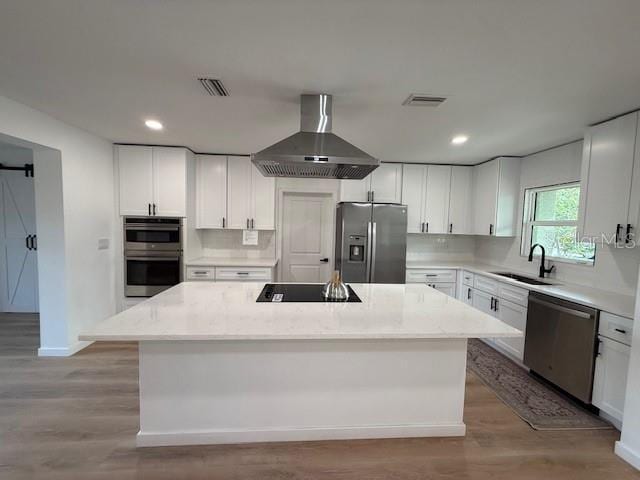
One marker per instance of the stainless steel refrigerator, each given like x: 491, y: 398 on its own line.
x: 371, y: 242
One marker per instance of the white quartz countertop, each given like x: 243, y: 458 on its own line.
x: 612, y: 302
x: 231, y: 262
x: 228, y: 311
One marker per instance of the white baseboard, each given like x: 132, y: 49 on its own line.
x: 216, y: 437
x: 628, y: 455
x: 62, y: 351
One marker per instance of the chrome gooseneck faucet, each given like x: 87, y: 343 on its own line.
x: 542, y: 269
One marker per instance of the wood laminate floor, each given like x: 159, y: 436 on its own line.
x: 68, y: 418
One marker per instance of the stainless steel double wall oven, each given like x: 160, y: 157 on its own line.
x: 152, y: 255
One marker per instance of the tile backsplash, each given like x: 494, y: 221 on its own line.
x: 228, y: 243
x: 459, y: 248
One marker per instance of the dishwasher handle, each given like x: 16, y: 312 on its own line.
x: 556, y: 306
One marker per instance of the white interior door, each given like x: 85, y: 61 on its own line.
x: 307, y: 233
x: 19, y: 263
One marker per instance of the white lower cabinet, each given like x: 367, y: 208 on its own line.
x: 446, y: 288
x: 612, y: 364
x: 482, y: 301
x: 503, y: 301
x: 610, y: 379
x: 443, y: 280
x: 227, y: 274
x: 516, y: 316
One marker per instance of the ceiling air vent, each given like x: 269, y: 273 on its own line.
x: 214, y: 87
x: 419, y: 100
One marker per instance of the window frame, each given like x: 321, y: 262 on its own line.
x: 528, y: 223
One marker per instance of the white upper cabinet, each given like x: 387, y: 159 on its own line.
x: 355, y: 190
x: 169, y: 181
x: 239, y: 192
x: 232, y: 193
x: 438, y: 198
x: 436, y: 206
x: 460, y: 200
x: 383, y: 185
x: 263, y: 201
x: 135, y: 172
x: 386, y: 183
x: 211, y: 191
x: 496, y: 190
x: 152, y: 180
x: 610, y: 179
x: 413, y: 191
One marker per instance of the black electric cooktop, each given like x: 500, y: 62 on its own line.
x: 299, y: 292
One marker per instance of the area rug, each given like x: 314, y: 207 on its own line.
x: 536, y: 403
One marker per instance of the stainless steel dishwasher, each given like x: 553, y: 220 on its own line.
x: 560, y: 343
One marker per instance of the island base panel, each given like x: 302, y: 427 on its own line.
x: 214, y: 392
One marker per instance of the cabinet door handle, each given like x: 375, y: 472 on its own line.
x: 242, y: 273
x: 627, y: 237
x: 373, y: 195
x: 34, y: 242
x: 247, y: 224
x: 426, y: 227
x: 223, y: 222
x: 495, y: 305
x: 491, y: 229
x: 451, y: 228
x: 468, y: 294
x: 618, y: 227
x: 620, y: 330
x: 154, y: 209
x: 26, y: 242
x: 492, y: 300
x: 253, y: 223
x: 422, y: 227
x: 149, y: 205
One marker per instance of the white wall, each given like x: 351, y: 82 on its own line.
x: 614, y: 269
x: 228, y: 243
x: 86, y: 293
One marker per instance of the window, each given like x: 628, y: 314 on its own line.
x: 551, y: 219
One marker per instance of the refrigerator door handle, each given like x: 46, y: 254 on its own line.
x: 373, y: 254
x: 369, y: 240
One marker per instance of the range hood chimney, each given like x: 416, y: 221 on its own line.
x: 314, y: 152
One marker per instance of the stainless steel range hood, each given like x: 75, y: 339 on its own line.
x: 314, y: 152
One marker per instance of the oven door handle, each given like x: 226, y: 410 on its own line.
x: 147, y: 228
x: 157, y: 258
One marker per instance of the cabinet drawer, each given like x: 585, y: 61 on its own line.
x: 429, y: 275
x: 467, y: 278
x: 200, y: 273
x: 513, y: 294
x: 486, y: 284
x: 249, y: 274
x: 616, y: 327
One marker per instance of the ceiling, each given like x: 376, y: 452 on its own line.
x: 520, y: 75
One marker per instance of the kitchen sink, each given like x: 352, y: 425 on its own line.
x: 521, y: 278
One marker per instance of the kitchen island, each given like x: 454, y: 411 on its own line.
x: 217, y: 367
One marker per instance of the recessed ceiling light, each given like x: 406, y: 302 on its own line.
x: 153, y: 124
x: 459, y: 139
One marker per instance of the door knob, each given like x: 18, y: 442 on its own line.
x: 324, y: 260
